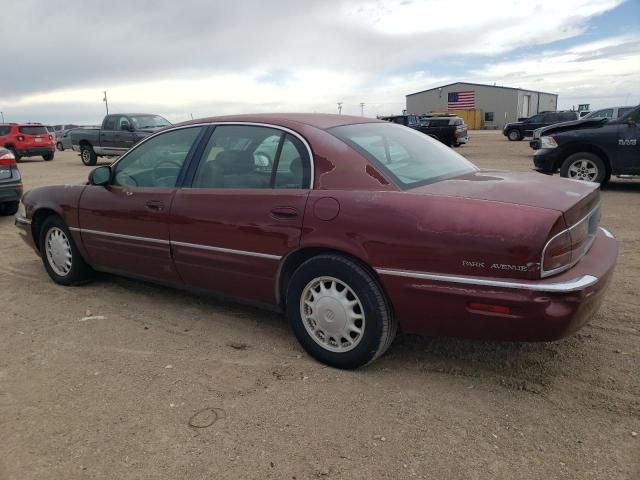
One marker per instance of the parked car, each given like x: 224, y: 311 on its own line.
x: 27, y: 140
x: 63, y: 141
x: 118, y: 133
x: 354, y: 227
x: 524, y: 127
x: 593, y: 149
x: 611, y: 113
x: 10, y: 183
x: 449, y: 129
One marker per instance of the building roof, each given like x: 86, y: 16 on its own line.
x: 481, y: 85
x: 318, y: 120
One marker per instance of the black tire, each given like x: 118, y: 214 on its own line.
x: 580, y: 165
x: 378, y: 324
x: 514, y: 135
x: 79, y: 271
x: 88, y: 155
x: 15, y: 154
x: 60, y: 147
x: 456, y: 145
x: 48, y: 157
x: 9, y: 208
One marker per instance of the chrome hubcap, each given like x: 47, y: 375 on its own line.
x: 584, y: 170
x: 85, y: 156
x: 332, y: 314
x: 513, y: 135
x: 58, y: 251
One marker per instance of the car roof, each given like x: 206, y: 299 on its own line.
x: 319, y: 120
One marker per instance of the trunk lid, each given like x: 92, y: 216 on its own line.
x: 574, y: 199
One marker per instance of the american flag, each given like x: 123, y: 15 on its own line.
x: 461, y: 100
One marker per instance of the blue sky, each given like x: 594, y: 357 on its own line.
x: 206, y: 58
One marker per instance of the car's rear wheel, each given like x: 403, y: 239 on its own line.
x: 60, y: 147
x: 59, y: 253
x: 514, y: 135
x: 9, y: 208
x: 15, y: 154
x: 584, y: 166
x: 88, y: 155
x: 339, y: 312
x: 48, y: 157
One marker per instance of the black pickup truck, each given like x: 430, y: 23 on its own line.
x: 118, y: 133
x: 592, y: 150
x: 449, y: 129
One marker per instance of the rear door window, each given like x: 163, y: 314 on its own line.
x: 110, y: 123
x: 623, y: 111
x: 33, y: 130
x: 606, y: 113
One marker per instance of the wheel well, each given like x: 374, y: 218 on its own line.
x: 84, y: 143
x: 36, y: 223
x: 292, y: 261
x: 584, y: 147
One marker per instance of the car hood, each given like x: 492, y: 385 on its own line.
x: 572, y: 125
x: 519, y: 188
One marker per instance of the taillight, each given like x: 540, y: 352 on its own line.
x: 20, y: 138
x: 557, y: 253
x: 7, y: 159
x: 51, y: 137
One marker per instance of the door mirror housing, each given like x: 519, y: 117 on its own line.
x: 100, y: 176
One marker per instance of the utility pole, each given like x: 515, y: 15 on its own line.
x: 339, y: 108
x: 106, y: 103
x: 362, y: 109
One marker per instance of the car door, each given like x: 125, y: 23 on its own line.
x: 242, y: 210
x: 121, y: 138
x: 627, y: 158
x: 533, y: 123
x: 125, y: 225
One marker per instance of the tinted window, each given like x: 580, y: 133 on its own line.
x: 409, y: 157
x: 488, y: 116
x: 156, y: 162
x: 5, y: 130
x: 439, y: 123
x: 535, y: 119
x: 32, y: 130
x: 568, y: 116
x: 606, y: 113
x: 242, y: 156
x: 623, y: 111
x: 292, y: 167
x: 149, y: 121
x: 110, y: 122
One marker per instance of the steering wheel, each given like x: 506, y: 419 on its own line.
x: 165, y: 180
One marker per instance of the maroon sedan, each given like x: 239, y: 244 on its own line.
x: 354, y: 227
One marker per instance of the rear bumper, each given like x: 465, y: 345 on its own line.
x: 35, y: 151
x: 24, y: 230
x: 10, y: 193
x: 543, y: 310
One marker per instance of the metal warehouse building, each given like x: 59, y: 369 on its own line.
x: 497, y: 105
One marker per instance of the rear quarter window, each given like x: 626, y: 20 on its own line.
x: 5, y: 130
x: 33, y: 130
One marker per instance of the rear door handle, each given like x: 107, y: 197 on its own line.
x: 155, y: 205
x: 284, y: 213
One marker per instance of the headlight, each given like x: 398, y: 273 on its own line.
x: 548, y: 142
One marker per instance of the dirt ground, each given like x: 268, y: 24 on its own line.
x: 122, y: 396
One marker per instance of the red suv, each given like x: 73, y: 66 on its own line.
x: 27, y: 140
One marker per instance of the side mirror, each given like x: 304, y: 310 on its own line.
x: 100, y: 176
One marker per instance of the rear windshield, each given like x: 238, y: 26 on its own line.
x: 33, y: 130
x: 409, y: 157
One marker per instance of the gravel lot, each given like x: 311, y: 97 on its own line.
x: 116, y: 396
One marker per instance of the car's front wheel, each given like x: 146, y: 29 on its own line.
x: 584, y: 166
x: 59, y: 253
x: 339, y: 312
x: 88, y: 155
x: 514, y: 135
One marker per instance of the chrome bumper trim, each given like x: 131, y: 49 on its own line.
x: 22, y: 220
x: 607, y: 232
x: 574, y: 284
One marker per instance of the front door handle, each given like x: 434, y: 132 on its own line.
x: 155, y: 205
x: 284, y: 213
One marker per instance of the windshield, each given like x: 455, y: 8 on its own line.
x: 409, y: 157
x: 149, y: 121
